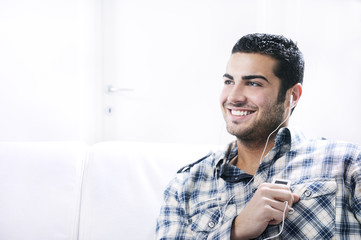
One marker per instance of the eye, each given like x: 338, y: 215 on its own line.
x: 228, y: 82
x: 254, y: 84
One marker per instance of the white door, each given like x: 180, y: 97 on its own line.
x: 163, y: 66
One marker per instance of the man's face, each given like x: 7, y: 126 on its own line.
x: 249, y: 97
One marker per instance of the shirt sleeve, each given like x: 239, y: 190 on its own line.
x: 355, y: 182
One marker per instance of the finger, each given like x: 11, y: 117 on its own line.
x: 280, y: 206
x: 296, y: 198
x: 274, y: 186
x: 277, y: 216
x: 275, y: 222
x: 282, y: 195
x: 274, y: 190
x: 280, y: 216
x: 279, y: 194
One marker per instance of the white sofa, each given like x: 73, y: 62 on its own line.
x: 72, y: 191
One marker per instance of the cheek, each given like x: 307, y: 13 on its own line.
x: 258, y: 100
x: 263, y: 102
x: 263, y: 99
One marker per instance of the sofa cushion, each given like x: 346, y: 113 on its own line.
x: 123, y: 187
x: 40, y: 189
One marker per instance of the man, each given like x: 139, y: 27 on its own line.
x: 271, y: 182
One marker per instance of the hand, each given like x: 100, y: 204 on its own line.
x: 265, y: 208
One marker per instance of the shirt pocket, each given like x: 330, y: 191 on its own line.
x: 209, y: 218
x: 314, y: 213
x: 205, y: 221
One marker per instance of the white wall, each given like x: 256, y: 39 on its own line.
x: 47, y: 69
x: 329, y: 106
x: 58, y: 56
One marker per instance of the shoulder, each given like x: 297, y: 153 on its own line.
x: 191, y: 177
x: 204, y: 169
x: 183, y: 183
x: 330, y: 152
x: 331, y: 146
x: 338, y: 148
x: 209, y: 160
x: 199, y: 161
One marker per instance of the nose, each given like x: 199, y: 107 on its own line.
x: 236, y: 95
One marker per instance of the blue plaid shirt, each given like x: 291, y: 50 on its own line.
x: 204, y: 197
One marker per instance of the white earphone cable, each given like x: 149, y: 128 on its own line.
x: 221, y: 211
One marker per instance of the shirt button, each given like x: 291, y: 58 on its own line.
x: 211, y: 224
x: 308, y: 193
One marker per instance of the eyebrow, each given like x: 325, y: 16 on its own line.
x: 250, y: 77
x: 247, y: 77
x: 226, y: 75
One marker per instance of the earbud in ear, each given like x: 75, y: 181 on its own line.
x: 291, y: 101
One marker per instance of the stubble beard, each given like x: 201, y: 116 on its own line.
x: 257, y: 133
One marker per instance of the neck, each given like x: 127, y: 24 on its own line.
x: 250, y: 154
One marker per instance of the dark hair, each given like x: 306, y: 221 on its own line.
x: 290, y: 60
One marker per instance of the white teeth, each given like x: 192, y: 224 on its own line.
x: 240, y: 113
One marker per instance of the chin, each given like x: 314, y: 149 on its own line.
x: 238, y: 132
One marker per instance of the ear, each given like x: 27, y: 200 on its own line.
x: 295, y: 92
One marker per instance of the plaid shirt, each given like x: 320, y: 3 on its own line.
x: 204, y: 198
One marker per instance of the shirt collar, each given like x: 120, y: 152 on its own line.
x: 227, y: 154
x: 286, y: 140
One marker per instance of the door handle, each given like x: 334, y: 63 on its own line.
x: 112, y: 89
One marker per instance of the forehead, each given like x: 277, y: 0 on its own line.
x: 243, y: 64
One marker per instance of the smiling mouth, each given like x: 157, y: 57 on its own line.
x: 241, y: 113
